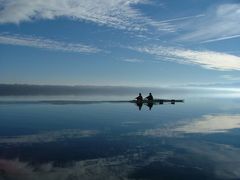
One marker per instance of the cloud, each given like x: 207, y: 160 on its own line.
x: 119, y: 14
x: 230, y: 77
x: 184, y: 18
x: 43, y: 43
x: 219, y: 23
x: 133, y: 60
x: 206, y: 59
x: 222, y: 38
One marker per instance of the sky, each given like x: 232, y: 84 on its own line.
x: 119, y: 42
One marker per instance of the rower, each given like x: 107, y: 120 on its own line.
x: 149, y: 97
x: 139, y: 98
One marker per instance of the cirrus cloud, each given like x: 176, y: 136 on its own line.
x: 119, y: 14
x: 206, y: 59
x: 219, y: 23
x: 43, y: 43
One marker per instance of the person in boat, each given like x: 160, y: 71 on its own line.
x: 139, y: 98
x: 149, y: 97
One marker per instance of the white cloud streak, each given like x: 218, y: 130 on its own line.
x: 206, y: 59
x: 219, y: 23
x: 43, y: 43
x: 222, y: 38
x: 133, y: 60
x: 184, y: 18
x: 230, y: 77
x: 120, y: 14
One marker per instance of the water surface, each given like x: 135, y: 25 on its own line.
x: 197, y: 139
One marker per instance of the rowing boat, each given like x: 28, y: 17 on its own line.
x: 160, y: 101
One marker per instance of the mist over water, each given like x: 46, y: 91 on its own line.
x: 102, y: 93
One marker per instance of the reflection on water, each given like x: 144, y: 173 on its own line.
x: 150, y: 105
x: 198, y: 139
x: 212, y: 124
x: 46, y: 137
x: 159, y: 102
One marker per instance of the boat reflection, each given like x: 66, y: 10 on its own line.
x: 139, y: 104
x: 150, y: 104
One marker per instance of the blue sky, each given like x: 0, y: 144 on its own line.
x: 119, y: 42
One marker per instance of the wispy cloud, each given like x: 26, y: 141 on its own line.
x: 121, y: 14
x: 219, y: 23
x: 39, y: 42
x: 184, y: 18
x: 230, y: 77
x: 221, y: 39
x: 133, y: 60
x: 206, y: 59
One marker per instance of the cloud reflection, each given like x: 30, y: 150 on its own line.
x: 223, y: 160
x: 211, y: 124
x: 115, y: 168
x: 46, y: 137
x: 208, y: 159
x: 207, y: 124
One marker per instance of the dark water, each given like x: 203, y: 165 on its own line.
x: 197, y: 139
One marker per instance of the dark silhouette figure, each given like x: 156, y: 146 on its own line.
x: 150, y: 105
x: 139, y: 98
x: 149, y: 97
x: 139, y: 104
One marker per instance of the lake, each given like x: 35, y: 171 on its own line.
x: 66, y: 140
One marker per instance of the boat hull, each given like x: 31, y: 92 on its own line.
x: 160, y: 101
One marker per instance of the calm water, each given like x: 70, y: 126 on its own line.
x: 198, y: 139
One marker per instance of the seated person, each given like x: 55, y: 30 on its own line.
x: 150, y: 97
x: 139, y: 98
